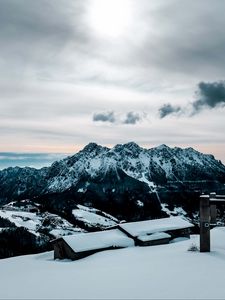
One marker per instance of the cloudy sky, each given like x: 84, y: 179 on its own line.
x: 111, y: 71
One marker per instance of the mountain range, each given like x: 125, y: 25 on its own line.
x: 97, y: 188
x: 121, y: 180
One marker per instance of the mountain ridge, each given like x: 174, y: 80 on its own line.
x: 153, y: 166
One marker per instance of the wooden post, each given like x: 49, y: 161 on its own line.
x: 204, y: 224
x: 213, y: 210
x: 213, y: 214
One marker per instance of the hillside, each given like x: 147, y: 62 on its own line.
x: 26, y: 228
x: 159, y: 272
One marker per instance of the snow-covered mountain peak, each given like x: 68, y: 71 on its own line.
x: 131, y: 150
x: 92, y: 147
x: 132, y: 146
x: 152, y: 166
x: 162, y: 147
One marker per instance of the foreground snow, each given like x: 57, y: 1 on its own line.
x: 167, y: 271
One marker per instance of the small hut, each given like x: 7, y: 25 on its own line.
x: 157, y: 231
x: 84, y: 244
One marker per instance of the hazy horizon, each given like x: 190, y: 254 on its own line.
x: 41, y: 159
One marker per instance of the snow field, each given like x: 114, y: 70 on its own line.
x: 159, y: 272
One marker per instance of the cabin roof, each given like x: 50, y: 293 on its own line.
x: 141, y: 228
x: 154, y: 236
x: 98, y: 240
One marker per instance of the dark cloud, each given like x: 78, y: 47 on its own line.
x: 210, y: 95
x: 168, y: 109
x: 132, y: 118
x: 104, y: 117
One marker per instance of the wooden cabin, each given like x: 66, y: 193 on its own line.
x: 157, y: 231
x: 143, y: 233
x: 84, y: 244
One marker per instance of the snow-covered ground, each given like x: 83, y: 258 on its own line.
x: 92, y: 218
x: 30, y: 221
x: 177, y: 211
x: 56, y: 225
x: 159, y: 272
x: 33, y: 222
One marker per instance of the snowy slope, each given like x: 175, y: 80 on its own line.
x: 177, y: 211
x: 36, y: 222
x: 159, y: 272
x: 22, y: 219
x: 92, y: 217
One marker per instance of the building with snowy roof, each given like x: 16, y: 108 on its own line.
x: 84, y: 244
x: 157, y: 231
x: 143, y: 233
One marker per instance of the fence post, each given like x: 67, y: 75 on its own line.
x: 204, y: 223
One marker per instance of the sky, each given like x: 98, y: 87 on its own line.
x: 110, y: 71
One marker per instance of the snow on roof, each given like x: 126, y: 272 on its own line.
x: 157, y: 225
x: 98, y: 240
x: 154, y: 236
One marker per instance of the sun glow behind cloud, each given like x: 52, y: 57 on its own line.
x: 110, y: 19
x: 76, y: 58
